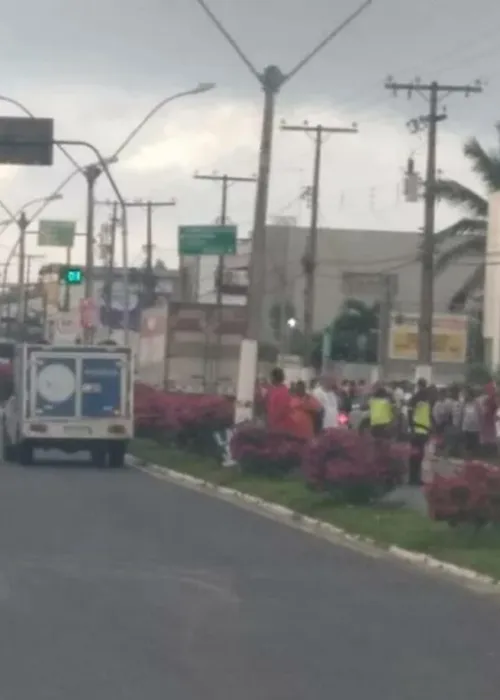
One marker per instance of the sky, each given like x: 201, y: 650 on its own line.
x: 97, y: 68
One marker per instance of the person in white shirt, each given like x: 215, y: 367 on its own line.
x: 327, y: 396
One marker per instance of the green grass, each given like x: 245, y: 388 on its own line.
x: 477, y: 550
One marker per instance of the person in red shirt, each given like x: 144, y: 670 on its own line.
x: 305, y: 409
x: 278, y: 404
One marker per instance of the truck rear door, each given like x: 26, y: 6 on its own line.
x: 53, y: 382
x: 103, y: 386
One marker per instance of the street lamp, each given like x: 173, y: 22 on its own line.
x: 23, y: 223
x: 19, y: 218
x: 201, y: 87
x: 91, y: 173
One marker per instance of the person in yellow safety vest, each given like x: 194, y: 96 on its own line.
x: 381, y: 413
x: 420, y: 421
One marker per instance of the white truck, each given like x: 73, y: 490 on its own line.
x: 70, y: 398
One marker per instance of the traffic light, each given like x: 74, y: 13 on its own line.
x: 71, y: 275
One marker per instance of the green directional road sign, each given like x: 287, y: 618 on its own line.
x: 214, y: 239
x: 58, y: 234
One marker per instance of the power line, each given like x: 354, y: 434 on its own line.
x: 226, y: 182
x: 431, y: 92
x: 149, y: 206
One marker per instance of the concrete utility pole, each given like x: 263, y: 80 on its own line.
x: 22, y: 223
x: 387, y: 289
x: 226, y: 182
x: 271, y: 79
x: 309, y: 260
x: 111, y: 263
x: 29, y: 259
x: 433, y: 90
x: 149, y: 206
x: 92, y: 174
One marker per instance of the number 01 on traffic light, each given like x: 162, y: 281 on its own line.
x: 71, y: 275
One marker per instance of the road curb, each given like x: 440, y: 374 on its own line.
x: 311, y: 525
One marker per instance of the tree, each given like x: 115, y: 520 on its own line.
x: 468, y: 235
x: 354, y: 332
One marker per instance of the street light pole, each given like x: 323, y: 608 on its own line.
x: 21, y: 305
x: 92, y: 173
x: 23, y: 222
x: 200, y: 88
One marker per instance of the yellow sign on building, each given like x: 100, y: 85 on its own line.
x: 449, y: 338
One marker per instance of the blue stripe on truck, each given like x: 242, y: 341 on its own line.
x: 101, y: 394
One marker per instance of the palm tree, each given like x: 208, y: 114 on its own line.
x: 467, y: 236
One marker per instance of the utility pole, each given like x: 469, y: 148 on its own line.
x: 431, y: 92
x: 272, y: 80
x: 92, y: 173
x: 387, y: 283
x: 309, y: 260
x: 22, y: 223
x: 226, y: 182
x: 149, y: 206
x: 29, y: 259
x: 111, y: 264
x: 66, y: 305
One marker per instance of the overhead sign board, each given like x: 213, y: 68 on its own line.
x: 57, y: 234
x: 215, y: 239
x: 26, y: 141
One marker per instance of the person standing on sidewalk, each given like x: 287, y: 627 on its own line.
x: 381, y: 413
x: 420, y: 422
x: 326, y: 395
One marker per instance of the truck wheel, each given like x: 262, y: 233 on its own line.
x: 98, y: 457
x: 25, y: 454
x: 9, y: 453
x: 117, y: 455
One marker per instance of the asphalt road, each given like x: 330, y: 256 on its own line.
x: 117, y: 586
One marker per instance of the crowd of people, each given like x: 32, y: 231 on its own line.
x: 463, y: 420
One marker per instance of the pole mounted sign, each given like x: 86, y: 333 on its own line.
x: 26, y: 141
x: 215, y: 239
x: 57, y: 234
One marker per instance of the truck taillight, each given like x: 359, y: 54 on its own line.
x: 116, y: 430
x: 38, y: 427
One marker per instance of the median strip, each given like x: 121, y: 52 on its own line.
x: 403, y: 533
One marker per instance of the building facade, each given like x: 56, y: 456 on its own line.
x: 350, y: 264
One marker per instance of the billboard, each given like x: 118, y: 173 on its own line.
x: 449, y: 338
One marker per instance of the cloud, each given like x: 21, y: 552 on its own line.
x: 361, y: 174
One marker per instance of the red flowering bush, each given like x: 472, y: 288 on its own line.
x: 357, y: 468
x: 188, y: 420
x: 471, y: 495
x: 257, y: 449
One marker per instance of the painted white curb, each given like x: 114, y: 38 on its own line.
x: 309, y: 524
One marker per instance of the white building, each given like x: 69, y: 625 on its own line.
x: 350, y: 262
